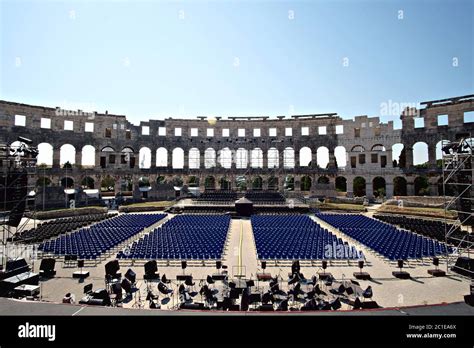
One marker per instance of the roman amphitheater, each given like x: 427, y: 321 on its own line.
x: 231, y: 203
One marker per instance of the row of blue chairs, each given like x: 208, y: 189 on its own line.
x: 387, y: 240
x: 90, y: 243
x: 184, y: 237
x: 292, y: 237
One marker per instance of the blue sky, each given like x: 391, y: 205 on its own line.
x: 154, y: 59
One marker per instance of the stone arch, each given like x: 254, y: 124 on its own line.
x: 67, y: 182
x: 273, y: 183
x: 88, y: 183
x: 128, y: 156
x: 341, y: 184
x: 358, y: 186
x: 420, y: 153
x: 305, y: 157
x: 144, y: 158
x: 107, y: 184
x: 273, y: 157
x: 288, y: 157
x: 305, y: 183
x: 43, y: 181
x: 45, y: 154
x: 225, y: 183
x: 177, y: 181
x: 241, y: 183
x: 144, y: 182
x: 323, y: 156
x: 161, y: 180
x: 225, y: 158
x: 396, y: 153
x: 378, y: 148
x: 289, y: 184
x: 67, y: 153
x: 422, y: 186
x: 193, y: 181
x: 340, y: 154
x: 379, y: 187
x: 241, y: 158
x: 209, y: 158
x: 88, y: 156
x: 439, y: 151
x: 257, y: 183
x: 194, y: 158
x: 161, y: 157
x: 210, y: 183
x: 358, y: 148
x: 399, y: 186
x: 178, y: 158
x: 323, y: 180
x: 256, y: 158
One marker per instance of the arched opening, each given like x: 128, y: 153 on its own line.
x: 225, y: 158
x: 87, y: 183
x: 210, y: 183
x: 273, y: 157
x: 378, y: 148
x: 420, y: 154
x: 127, y: 157
x: 43, y: 181
x: 341, y: 184
x: 144, y: 182
x: 209, y: 158
x: 422, y: 186
x: 178, y: 158
x: 193, y: 181
x: 323, y: 156
x: 378, y: 187
x: 194, y: 158
x: 257, y: 183
x: 396, y: 155
x: 67, y: 154
x: 177, y: 181
x: 273, y: 183
x: 305, y: 183
x: 161, y: 157
x: 107, y: 184
x: 439, y: 152
x: 305, y: 157
x: 241, y: 158
x: 160, y: 180
x: 67, y: 183
x: 450, y: 188
x: 88, y: 156
x: 256, y: 158
x: 358, y: 148
x: 289, y: 184
x: 399, y: 186
x: 45, y: 155
x: 241, y: 183
x: 340, y: 154
x: 126, y: 184
x: 323, y: 180
x: 144, y: 155
x: 225, y: 184
x: 358, y: 186
x: 289, y: 158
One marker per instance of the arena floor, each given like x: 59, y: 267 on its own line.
x: 240, y: 258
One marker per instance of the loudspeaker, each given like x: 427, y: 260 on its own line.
x: 16, y: 191
x: 131, y: 276
x: 361, y: 264
x: 436, y: 261
x: 218, y: 264
x: 264, y: 264
x: 151, y: 267
x: 325, y: 264
x: 184, y: 264
x: 88, y: 288
x: 80, y: 263
x: 400, y: 263
x: 112, y: 267
x: 465, y: 266
x: 126, y: 286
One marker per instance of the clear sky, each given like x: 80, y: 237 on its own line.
x: 154, y: 59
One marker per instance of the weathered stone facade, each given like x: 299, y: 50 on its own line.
x: 117, y: 143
